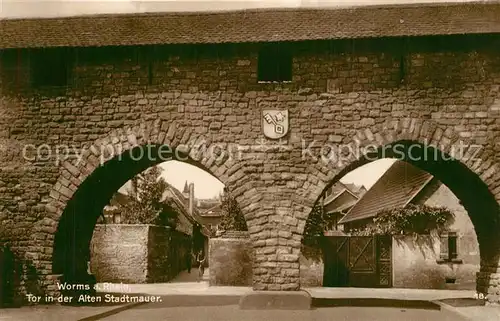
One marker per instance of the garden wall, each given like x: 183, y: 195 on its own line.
x: 137, y: 253
x: 311, y: 272
x: 230, y: 260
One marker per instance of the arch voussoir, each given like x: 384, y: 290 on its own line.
x: 379, y: 138
x: 145, y: 132
x: 426, y: 131
x: 131, y: 138
x: 416, y: 130
x: 413, y: 126
x: 451, y: 147
x: 156, y: 129
x: 488, y: 175
x: 185, y: 138
x: 483, y: 165
x: 178, y: 136
x: 403, y: 131
x: 172, y: 129
x: 436, y: 137
x: 494, y: 180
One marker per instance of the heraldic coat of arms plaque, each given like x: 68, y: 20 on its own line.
x: 274, y: 123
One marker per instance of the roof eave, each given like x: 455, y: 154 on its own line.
x: 239, y: 26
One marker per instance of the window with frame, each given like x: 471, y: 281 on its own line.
x: 274, y: 63
x: 50, y: 67
x: 449, y: 247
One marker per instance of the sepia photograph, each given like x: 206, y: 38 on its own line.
x: 197, y: 160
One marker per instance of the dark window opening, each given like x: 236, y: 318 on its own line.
x: 449, y: 249
x: 50, y: 67
x: 274, y: 64
x: 452, y: 246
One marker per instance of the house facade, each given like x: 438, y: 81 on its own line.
x: 112, y: 211
x: 212, y: 218
x: 448, y: 261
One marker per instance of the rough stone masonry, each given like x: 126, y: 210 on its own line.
x: 206, y: 102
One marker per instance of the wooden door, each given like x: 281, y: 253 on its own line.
x: 357, y: 261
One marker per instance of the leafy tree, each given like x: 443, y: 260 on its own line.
x: 410, y: 220
x: 232, y: 217
x: 147, y: 205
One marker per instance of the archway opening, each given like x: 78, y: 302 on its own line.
x: 447, y: 183
x: 74, y: 245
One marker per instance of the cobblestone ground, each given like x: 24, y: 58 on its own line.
x: 232, y: 313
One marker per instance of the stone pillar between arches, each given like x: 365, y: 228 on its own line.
x: 276, y: 270
x: 488, y: 283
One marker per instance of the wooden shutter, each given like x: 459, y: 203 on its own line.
x: 452, y: 246
x: 444, y: 247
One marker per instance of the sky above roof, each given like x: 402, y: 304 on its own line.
x: 60, y: 8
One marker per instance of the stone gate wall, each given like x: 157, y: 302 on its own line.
x: 341, y: 92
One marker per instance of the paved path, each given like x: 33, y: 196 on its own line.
x: 232, y: 313
x: 51, y: 313
x: 177, y: 287
x: 183, y: 299
x: 185, y: 277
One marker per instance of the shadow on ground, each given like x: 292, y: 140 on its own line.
x: 225, y: 300
x: 374, y: 302
x: 463, y: 302
x: 193, y: 301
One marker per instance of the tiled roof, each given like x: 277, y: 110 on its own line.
x: 339, y: 188
x: 358, y: 190
x: 396, y: 188
x: 252, y: 25
x: 205, y: 204
x: 345, y: 206
x: 183, y: 205
x: 213, y: 211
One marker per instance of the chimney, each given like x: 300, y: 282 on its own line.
x: 191, y: 198
x: 185, y: 191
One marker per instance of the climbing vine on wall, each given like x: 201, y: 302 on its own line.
x: 313, y: 231
x: 410, y: 220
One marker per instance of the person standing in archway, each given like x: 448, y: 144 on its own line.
x: 201, y: 265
